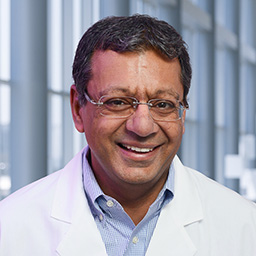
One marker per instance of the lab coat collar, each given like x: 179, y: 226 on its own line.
x: 187, y: 202
x: 70, y: 207
x: 185, y: 209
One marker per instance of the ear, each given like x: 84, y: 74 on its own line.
x: 183, y: 120
x: 75, y: 108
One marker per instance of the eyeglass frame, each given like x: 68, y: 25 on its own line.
x: 99, y: 103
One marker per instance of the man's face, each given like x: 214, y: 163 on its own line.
x: 116, y: 144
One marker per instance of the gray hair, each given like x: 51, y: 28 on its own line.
x: 136, y: 33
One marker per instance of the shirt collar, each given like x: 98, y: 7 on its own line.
x: 166, y: 193
x: 91, y: 186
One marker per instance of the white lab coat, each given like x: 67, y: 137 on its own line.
x: 51, y: 217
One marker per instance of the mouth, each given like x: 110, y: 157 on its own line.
x: 141, y: 150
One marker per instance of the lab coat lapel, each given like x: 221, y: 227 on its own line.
x: 170, y: 236
x: 83, y: 238
x: 71, y: 208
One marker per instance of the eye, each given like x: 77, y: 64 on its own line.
x: 164, y: 105
x: 117, y: 103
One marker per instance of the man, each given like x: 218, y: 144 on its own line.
x: 127, y: 193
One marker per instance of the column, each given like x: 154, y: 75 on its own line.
x: 28, y: 91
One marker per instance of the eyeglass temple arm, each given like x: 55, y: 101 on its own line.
x: 90, y: 100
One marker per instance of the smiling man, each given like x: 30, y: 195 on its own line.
x: 127, y: 193
x: 131, y: 144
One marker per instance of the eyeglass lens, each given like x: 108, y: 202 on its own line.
x: 123, y: 107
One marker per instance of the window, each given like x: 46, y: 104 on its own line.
x: 221, y: 39
x: 67, y: 22
x: 5, y: 97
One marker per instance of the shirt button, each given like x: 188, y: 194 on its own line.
x: 135, y: 240
x: 101, y: 217
x: 110, y: 203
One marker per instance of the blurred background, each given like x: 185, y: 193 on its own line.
x: 38, y: 39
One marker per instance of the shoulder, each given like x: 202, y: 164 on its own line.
x: 35, y: 191
x: 216, y: 198
x: 221, y: 195
x: 40, y: 194
x: 218, y: 220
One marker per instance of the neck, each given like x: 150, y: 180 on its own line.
x: 138, y: 209
x: 134, y: 198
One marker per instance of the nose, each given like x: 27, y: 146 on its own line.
x: 141, y: 122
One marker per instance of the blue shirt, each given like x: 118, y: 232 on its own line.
x: 119, y: 234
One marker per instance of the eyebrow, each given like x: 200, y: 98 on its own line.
x: 170, y: 91
x: 113, y: 90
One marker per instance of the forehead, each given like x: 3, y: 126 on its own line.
x: 135, y: 74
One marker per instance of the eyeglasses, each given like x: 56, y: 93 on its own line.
x: 125, y: 106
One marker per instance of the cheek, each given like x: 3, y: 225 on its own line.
x: 100, y: 129
x: 174, y: 133
x: 174, y: 130
x: 90, y: 127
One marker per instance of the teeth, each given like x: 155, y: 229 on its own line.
x: 141, y: 150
